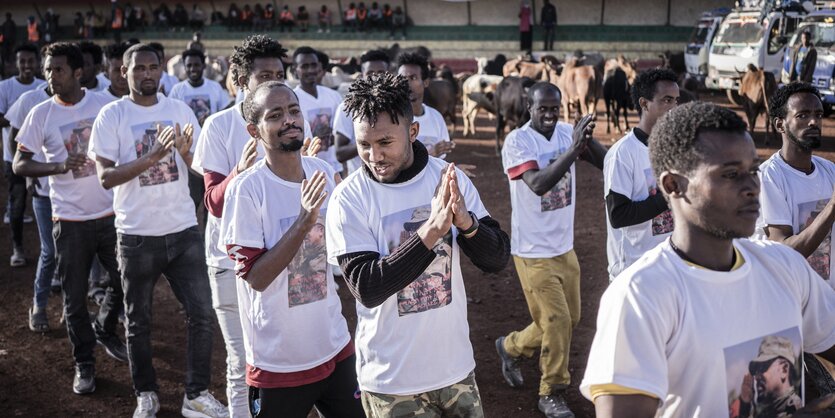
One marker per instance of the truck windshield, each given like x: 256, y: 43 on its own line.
x: 747, y: 31
x: 823, y: 34
x: 699, y: 35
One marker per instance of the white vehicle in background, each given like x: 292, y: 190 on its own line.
x: 756, y: 33
x: 698, y: 47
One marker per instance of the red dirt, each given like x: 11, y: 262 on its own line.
x: 36, y: 369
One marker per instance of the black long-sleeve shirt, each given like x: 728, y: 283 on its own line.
x: 623, y: 211
x: 373, y: 279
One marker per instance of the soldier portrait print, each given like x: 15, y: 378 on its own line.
x: 560, y: 195
x: 822, y: 257
x: 165, y: 171
x: 433, y: 289
x: 321, y: 122
x: 765, y: 376
x: 307, y: 279
x: 201, y: 105
x: 663, y: 222
x: 76, y: 139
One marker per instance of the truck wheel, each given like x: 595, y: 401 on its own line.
x: 733, y: 97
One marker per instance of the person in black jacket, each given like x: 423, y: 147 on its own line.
x: 804, y: 58
x: 549, y: 24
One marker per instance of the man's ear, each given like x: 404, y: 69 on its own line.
x: 414, y: 128
x: 780, y: 125
x: 643, y: 103
x: 673, y: 185
x: 253, y: 131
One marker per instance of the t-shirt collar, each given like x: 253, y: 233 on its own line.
x: 641, y: 135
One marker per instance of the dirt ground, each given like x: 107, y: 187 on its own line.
x: 36, y: 370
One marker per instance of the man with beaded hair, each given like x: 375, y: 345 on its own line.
x: 397, y: 227
x: 678, y: 330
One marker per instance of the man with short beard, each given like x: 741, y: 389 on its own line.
x: 798, y: 208
x: 676, y: 329
x: 143, y: 148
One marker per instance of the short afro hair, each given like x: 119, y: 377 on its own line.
x: 777, y: 106
x: 644, y: 85
x: 94, y: 50
x: 27, y: 47
x: 323, y: 58
x: 253, y: 47
x: 70, y: 51
x: 385, y: 93
x: 116, y: 51
x: 252, y: 110
x: 127, y: 58
x: 374, y: 55
x: 305, y: 50
x: 193, y: 53
x: 673, y: 143
x: 542, y: 86
x: 159, y: 48
x: 412, y: 58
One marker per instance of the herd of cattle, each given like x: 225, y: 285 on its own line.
x: 499, y: 86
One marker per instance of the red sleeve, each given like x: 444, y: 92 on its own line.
x: 514, y: 173
x: 244, y: 258
x: 215, y: 188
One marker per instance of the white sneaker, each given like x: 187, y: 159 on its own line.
x: 147, y: 405
x: 204, y: 406
x: 17, y: 259
x: 27, y: 219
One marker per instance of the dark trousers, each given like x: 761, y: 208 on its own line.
x: 526, y: 41
x: 180, y: 257
x: 337, y: 395
x: 76, y: 244
x: 197, y: 189
x: 17, y: 204
x: 548, y: 38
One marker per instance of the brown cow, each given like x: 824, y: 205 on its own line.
x: 518, y: 67
x: 580, y: 86
x: 755, y: 89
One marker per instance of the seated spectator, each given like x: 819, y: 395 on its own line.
x: 375, y: 16
x: 197, y: 18
x: 196, y: 42
x: 303, y: 18
x: 269, y: 16
x: 180, y: 17
x: 233, y: 17
x: 362, y: 17
x: 350, y: 19
x: 78, y: 23
x: 324, y: 19
x: 398, y: 21
x: 387, y: 15
x: 247, y: 17
x: 286, y: 20
x: 257, y: 17
x: 162, y: 16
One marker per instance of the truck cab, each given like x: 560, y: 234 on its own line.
x: 821, y: 26
x: 751, y: 35
x: 698, y: 47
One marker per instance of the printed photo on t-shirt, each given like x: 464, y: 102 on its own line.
x: 307, y: 273
x: 76, y: 137
x: 560, y: 195
x: 765, y: 375
x: 165, y: 171
x: 433, y: 289
x: 663, y: 222
x: 321, y: 124
x: 201, y: 105
x: 820, y: 259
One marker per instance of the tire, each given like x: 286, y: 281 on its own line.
x: 733, y: 97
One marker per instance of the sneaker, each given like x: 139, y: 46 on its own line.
x: 55, y: 286
x: 147, y: 405
x: 38, y: 321
x: 84, y: 381
x: 113, y: 346
x: 204, y: 406
x: 6, y: 219
x: 17, y: 259
x: 554, y: 406
x: 27, y: 219
x: 510, y: 366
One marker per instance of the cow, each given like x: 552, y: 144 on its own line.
x: 755, y: 89
x: 476, y: 84
x: 519, y: 67
x: 616, y: 97
x: 491, y: 67
x: 674, y: 61
x: 579, y: 85
x: 442, y: 94
x: 511, y: 105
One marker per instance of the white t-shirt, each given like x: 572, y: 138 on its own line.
x: 344, y: 124
x: 791, y: 197
x: 104, y: 82
x: 432, y: 129
x: 627, y: 171
x: 319, y: 113
x: 219, y: 148
x: 541, y: 226
x: 205, y: 100
x: 17, y: 114
x: 10, y: 91
x: 687, y: 335
x: 55, y: 130
x: 156, y: 202
x: 418, y: 339
x: 167, y: 82
x: 296, y: 323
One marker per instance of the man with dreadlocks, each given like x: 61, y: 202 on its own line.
x: 699, y: 324
x: 397, y: 228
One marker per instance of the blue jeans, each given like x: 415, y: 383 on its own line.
x: 180, y: 257
x: 42, y: 207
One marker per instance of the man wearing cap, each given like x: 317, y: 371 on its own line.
x: 769, y: 387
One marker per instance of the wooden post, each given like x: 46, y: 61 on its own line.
x: 469, y: 15
x: 669, y: 7
x: 406, y: 11
x: 602, y: 10
x: 339, y: 12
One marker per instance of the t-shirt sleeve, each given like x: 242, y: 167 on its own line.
x: 348, y: 229
x: 30, y: 135
x: 776, y: 209
x: 343, y: 124
x: 241, y: 222
x: 210, y: 153
x: 518, y: 156
x: 176, y: 92
x: 16, y: 115
x: 629, y: 348
x: 104, y: 138
x: 618, y: 174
